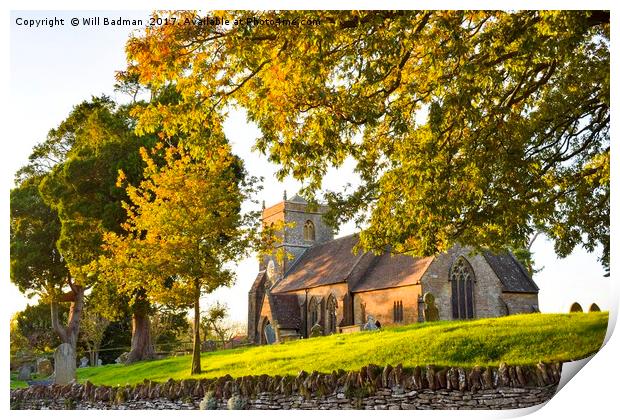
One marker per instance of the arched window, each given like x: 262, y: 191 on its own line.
x: 314, y: 310
x: 462, y: 278
x: 331, y: 316
x: 309, y: 231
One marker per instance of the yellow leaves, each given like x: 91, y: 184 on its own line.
x: 121, y: 178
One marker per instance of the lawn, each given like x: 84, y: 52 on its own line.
x: 518, y: 339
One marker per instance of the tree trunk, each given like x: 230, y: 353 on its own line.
x: 69, y: 333
x: 141, y: 343
x: 196, y: 349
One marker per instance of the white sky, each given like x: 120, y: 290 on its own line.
x: 53, y: 69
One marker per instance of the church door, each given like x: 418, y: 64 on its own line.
x: 462, y: 279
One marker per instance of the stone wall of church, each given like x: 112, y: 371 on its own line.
x: 487, y: 288
x: 521, y: 303
x: 298, y: 214
x: 380, y: 304
x: 322, y: 293
x: 295, y: 214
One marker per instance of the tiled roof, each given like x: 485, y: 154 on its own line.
x: 327, y: 263
x: 511, y: 273
x: 334, y: 262
x: 393, y: 271
x: 285, y: 309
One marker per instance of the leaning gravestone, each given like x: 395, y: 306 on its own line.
x: 270, y: 334
x: 44, y: 367
x: 431, y: 312
x: 64, y: 364
x: 24, y: 373
x: 594, y: 308
x: 84, y: 362
x: 316, y: 331
x: 370, y: 324
x: 576, y: 307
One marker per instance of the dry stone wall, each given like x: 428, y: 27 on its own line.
x: 371, y: 387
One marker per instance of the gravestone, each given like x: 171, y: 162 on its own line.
x: 99, y: 362
x: 576, y: 307
x: 431, y: 312
x: 84, y: 362
x: 316, y: 331
x: 64, y: 364
x: 24, y: 373
x: 594, y: 308
x: 44, y: 367
x: 370, y: 324
x: 270, y: 334
x: 122, y: 359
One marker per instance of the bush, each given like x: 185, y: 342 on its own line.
x: 236, y: 403
x: 209, y: 402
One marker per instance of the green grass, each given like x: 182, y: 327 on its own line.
x: 22, y: 384
x: 519, y: 339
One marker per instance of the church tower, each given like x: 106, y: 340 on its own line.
x: 304, y: 228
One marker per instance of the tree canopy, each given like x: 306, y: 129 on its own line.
x: 477, y: 127
x: 37, y: 267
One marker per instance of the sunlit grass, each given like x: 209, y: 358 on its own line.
x: 519, y: 339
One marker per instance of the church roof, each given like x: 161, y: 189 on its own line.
x: 327, y: 263
x: 511, y: 273
x: 393, y: 271
x: 285, y: 309
x: 334, y: 262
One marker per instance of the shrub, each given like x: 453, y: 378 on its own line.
x: 236, y: 403
x: 209, y: 402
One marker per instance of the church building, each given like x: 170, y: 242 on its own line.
x: 325, y: 288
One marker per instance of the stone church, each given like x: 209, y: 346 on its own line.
x: 326, y: 286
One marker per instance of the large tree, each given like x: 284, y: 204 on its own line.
x: 77, y: 166
x: 37, y: 266
x: 477, y: 127
x: 184, y: 226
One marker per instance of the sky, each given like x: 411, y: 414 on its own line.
x: 54, y: 68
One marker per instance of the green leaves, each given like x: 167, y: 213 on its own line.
x: 467, y: 126
x: 184, y: 223
x: 36, y: 263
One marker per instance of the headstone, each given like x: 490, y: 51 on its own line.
x: 316, y: 331
x: 122, y: 359
x: 44, y: 367
x: 24, y: 373
x: 84, y: 362
x: 64, y: 364
x: 370, y: 324
x: 270, y: 334
x: 576, y: 307
x: 431, y: 312
x: 99, y: 362
x: 594, y: 308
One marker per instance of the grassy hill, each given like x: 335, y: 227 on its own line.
x: 519, y: 339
